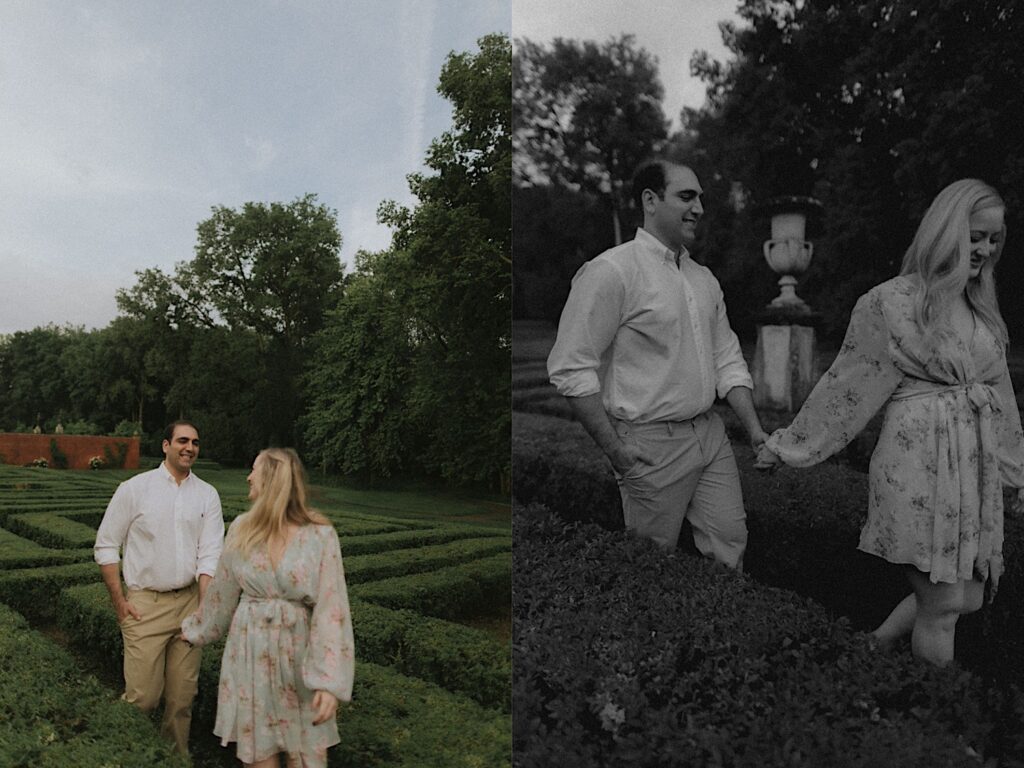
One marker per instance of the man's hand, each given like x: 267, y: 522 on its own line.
x: 125, y: 609
x: 325, y: 706
x: 757, y: 439
x: 766, y: 460
x: 626, y: 456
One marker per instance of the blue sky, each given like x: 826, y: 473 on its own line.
x: 123, y: 123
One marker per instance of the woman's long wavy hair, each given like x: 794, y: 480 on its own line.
x: 282, y: 498
x: 941, y: 255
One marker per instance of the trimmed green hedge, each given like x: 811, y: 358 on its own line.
x: 627, y: 655
x: 51, y: 716
x: 460, y: 659
x: 385, y: 542
x: 33, y: 591
x: 406, y: 562
x: 52, y: 530
x: 447, y: 593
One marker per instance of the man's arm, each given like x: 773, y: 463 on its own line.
x: 204, y: 582
x: 590, y: 412
x: 112, y: 578
x: 741, y: 400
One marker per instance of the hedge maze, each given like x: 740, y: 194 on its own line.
x: 627, y: 655
x: 431, y: 689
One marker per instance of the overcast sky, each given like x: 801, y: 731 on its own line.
x: 122, y: 123
x: 671, y: 30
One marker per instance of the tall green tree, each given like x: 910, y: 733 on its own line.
x: 586, y: 115
x: 443, y: 289
x: 267, y: 273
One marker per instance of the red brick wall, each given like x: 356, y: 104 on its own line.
x: 21, y: 449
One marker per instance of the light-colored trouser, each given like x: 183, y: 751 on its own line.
x: 693, y: 476
x: 155, y: 663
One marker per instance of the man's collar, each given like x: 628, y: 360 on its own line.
x: 168, y: 476
x: 654, y: 245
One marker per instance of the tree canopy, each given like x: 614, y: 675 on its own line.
x: 432, y: 391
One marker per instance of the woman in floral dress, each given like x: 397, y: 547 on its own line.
x: 929, y: 346
x: 288, y: 659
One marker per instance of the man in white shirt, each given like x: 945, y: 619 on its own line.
x: 170, y: 526
x: 643, y: 347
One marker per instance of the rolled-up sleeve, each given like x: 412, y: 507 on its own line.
x: 730, y: 367
x: 113, y: 528
x: 590, y: 319
x: 211, y: 537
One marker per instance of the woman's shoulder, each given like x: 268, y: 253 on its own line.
x: 901, y: 286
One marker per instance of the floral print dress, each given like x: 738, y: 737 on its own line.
x: 950, y: 436
x: 290, y: 635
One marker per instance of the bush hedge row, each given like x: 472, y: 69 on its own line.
x: 456, y: 592
x: 406, y: 562
x: 51, y: 716
x: 460, y: 659
x: 803, y: 526
x: 52, y: 530
x: 384, y: 542
x: 393, y: 720
x: 18, y: 552
x: 33, y: 592
x: 627, y: 655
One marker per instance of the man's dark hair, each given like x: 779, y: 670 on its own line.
x: 169, y: 431
x: 650, y: 174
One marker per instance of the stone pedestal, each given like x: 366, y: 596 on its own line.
x: 785, y: 366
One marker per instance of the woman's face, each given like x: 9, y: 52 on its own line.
x: 986, y: 228
x: 254, y: 478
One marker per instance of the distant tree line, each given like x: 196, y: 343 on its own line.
x: 872, y: 107
x: 400, y: 367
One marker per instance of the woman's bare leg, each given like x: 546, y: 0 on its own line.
x: 898, y: 623
x: 938, y: 608
x: 269, y: 762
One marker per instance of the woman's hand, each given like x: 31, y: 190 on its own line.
x: 1017, y: 507
x: 325, y: 706
x: 767, y: 461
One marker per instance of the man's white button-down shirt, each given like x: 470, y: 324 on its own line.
x: 170, y: 533
x: 652, y: 337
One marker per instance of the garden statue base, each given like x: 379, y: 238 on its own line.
x: 785, y: 366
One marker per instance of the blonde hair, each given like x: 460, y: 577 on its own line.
x: 281, y: 500
x: 940, y: 255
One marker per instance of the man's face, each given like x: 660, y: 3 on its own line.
x: 182, y: 449
x: 673, y: 217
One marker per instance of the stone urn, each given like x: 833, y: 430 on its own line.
x: 788, y: 253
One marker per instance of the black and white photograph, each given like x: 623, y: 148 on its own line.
x: 768, y: 467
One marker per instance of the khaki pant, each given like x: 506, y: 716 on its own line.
x: 155, y: 663
x: 694, y: 476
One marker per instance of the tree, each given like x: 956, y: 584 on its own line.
x: 586, y: 115
x: 358, y: 419
x: 443, y: 289
x: 267, y: 273
x: 872, y: 107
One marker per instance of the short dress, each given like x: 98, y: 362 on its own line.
x: 950, y: 437
x: 290, y: 635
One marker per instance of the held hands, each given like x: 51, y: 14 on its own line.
x: 325, y: 706
x: 767, y: 461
